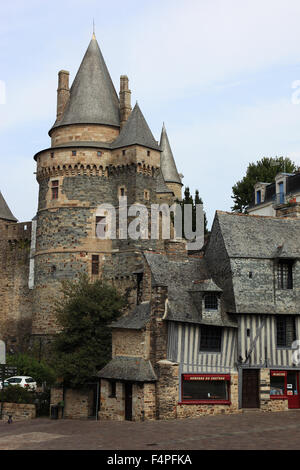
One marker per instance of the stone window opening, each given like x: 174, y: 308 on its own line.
x: 122, y: 191
x: 101, y: 226
x: 95, y: 264
x: 211, y: 302
x: 74, y: 153
x: 285, y: 275
x: 146, y: 194
x: 123, y: 152
x: 148, y: 153
x: 52, y: 154
x: 210, y: 338
x: 112, y: 389
x: 99, y: 154
x: 54, y: 189
x: 285, y: 331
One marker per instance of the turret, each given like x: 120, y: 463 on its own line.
x: 168, y: 165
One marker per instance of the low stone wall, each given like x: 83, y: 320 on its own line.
x: 18, y: 411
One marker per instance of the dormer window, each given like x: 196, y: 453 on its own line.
x: 285, y: 275
x: 211, y: 301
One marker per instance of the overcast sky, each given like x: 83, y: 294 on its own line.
x: 219, y: 73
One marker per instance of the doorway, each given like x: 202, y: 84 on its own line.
x: 128, y: 401
x: 250, y: 388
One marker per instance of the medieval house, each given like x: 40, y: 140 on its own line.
x: 206, y: 332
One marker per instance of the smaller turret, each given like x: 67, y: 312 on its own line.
x: 168, y: 165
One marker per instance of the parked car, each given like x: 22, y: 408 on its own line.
x: 5, y: 384
x: 21, y: 380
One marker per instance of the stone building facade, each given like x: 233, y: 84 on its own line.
x: 206, y: 332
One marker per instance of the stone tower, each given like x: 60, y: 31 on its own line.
x: 100, y: 150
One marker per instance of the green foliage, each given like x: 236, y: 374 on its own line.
x: 188, y: 199
x: 28, y: 365
x: 84, y: 345
x: 263, y: 171
x: 17, y: 394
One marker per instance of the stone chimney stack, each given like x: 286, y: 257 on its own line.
x: 125, y: 100
x: 63, y: 93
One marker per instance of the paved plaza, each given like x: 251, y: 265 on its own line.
x: 248, y: 431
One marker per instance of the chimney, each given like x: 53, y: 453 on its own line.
x: 63, y: 93
x: 125, y: 100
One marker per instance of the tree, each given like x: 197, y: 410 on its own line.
x: 28, y: 365
x: 188, y: 199
x: 84, y: 345
x: 263, y: 171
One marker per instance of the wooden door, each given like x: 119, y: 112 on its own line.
x: 250, y: 390
x: 128, y: 401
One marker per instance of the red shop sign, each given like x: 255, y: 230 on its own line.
x: 206, y: 377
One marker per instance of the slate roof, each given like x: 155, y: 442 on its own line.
x: 135, y: 132
x: 5, y: 212
x: 135, y: 369
x: 251, y: 236
x: 184, y: 279
x: 93, y: 98
x: 167, y: 162
x: 136, y: 320
x: 161, y: 186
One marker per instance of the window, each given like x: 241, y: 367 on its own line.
x: 52, y: 154
x: 146, y: 194
x: 123, y: 152
x: 122, y: 191
x: 211, y: 302
x: 54, y: 189
x: 148, y: 153
x: 285, y: 275
x: 205, y: 388
x: 74, y: 153
x: 100, y: 226
x: 210, y: 338
x: 95, y: 264
x: 112, y: 391
x: 283, y: 384
x: 277, y: 383
x: 286, y: 331
x: 99, y: 154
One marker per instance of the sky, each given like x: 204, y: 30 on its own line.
x: 223, y: 75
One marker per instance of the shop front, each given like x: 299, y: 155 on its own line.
x: 284, y: 384
x: 205, y: 389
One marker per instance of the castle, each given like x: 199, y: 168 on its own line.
x: 210, y: 331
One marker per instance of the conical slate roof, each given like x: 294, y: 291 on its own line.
x: 136, y: 132
x: 167, y: 162
x: 93, y: 98
x: 5, y: 212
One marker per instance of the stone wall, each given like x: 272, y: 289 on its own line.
x: 18, y: 411
x: 15, y: 295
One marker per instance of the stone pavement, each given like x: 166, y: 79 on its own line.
x: 248, y: 431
